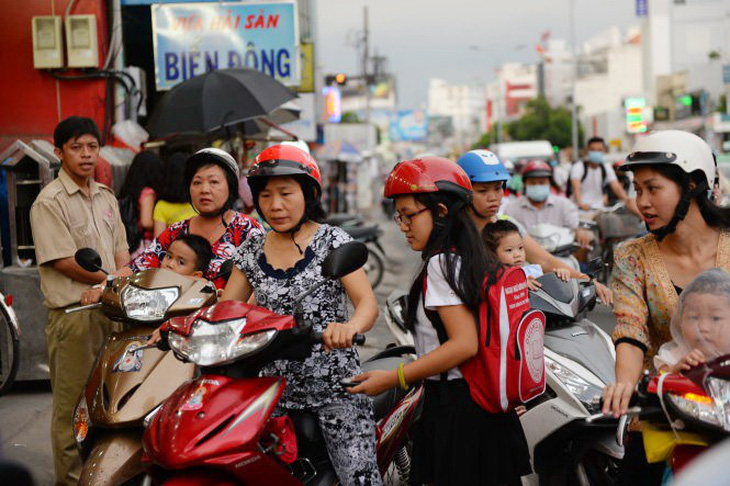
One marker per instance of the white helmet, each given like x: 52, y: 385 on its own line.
x: 683, y: 149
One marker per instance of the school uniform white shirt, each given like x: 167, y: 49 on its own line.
x: 438, y: 293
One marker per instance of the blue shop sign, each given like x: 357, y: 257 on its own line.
x: 194, y: 38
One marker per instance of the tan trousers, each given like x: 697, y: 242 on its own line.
x: 73, y: 341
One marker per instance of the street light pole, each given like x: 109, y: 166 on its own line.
x: 573, y: 105
x: 500, y: 124
x: 365, y: 58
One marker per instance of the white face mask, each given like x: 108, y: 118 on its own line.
x: 537, y: 193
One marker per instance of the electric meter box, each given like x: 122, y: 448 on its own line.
x: 81, y: 42
x: 47, y: 42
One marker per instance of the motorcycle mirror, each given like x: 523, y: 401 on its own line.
x: 595, y: 266
x: 89, y: 260
x: 344, y: 260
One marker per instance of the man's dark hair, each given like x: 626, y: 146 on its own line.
x: 493, y: 233
x: 596, y: 140
x: 72, y: 128
x: 202, y: 250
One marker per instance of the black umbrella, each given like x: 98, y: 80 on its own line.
x: 215, y: 100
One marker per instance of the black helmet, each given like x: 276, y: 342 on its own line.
x: 222, y: 159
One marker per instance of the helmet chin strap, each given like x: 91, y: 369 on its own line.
x: 474, y: 210
x: 293, y: 231
x: 682, y: 208
x: 438, y: 231
x: 221, y: 212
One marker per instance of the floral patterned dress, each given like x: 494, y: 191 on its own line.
x: 239, y: 229
x: 314, y: 383
x: 644, y: 295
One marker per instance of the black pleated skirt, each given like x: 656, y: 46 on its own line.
x: 456, y: 442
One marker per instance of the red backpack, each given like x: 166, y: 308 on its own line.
x: 509, y: 368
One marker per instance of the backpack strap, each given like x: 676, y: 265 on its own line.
x: 438, y: 324
x: 585, y: 172
x: 603, y: 173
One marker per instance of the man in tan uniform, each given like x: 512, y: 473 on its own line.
x: 70, y: 213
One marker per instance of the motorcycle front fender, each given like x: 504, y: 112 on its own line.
x: 115, y: 458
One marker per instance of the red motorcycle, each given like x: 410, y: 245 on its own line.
x: 683, y: 414
x: 219, y: 429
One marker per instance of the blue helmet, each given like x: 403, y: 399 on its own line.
x: 483, y: 166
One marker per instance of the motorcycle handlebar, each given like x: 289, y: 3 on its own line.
x: 80, y: 308
x: 357, y: 339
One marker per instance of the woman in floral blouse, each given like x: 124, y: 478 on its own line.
x: 283, y: 264
x: 674, y: 173
x: 212, y: 178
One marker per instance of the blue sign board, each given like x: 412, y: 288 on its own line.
x: 726, y: 74
x: 642, y: 8
x: 409, y: 126
x: 194, y: 38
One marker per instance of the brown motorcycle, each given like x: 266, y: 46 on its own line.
x: 129, y: 380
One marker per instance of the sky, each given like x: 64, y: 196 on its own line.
x: 461, y: 41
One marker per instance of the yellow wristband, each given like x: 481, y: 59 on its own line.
x: 401, y: 378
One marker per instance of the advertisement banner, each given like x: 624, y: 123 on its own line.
x: 194, y: 38
x: 409, y: 126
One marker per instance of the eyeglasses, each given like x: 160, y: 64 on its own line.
x: 406, y: 219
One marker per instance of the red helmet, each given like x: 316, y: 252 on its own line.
x: 536, y: 168
x: 285, y: 160
x: 428, y: 174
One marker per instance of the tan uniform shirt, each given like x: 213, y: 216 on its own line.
x: 64, y: 220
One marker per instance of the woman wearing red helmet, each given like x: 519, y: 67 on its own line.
x: 286, y: 186
x: 456, y: 440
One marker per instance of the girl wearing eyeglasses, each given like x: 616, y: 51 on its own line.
x: 456, y: 441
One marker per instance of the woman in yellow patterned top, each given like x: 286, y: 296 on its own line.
x: 674, y: 173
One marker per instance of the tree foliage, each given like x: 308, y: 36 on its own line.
x: 540, y: 122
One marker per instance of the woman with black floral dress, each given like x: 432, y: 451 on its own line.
x: 279, y: 266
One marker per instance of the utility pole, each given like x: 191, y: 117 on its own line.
x: 501, y: 110
x: 573, y: 106
x: 365, y: 59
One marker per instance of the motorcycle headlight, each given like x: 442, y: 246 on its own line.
x: 720, y: 392
x: 588, y: 393
x: 215, y: 344
x: 699, y: 407
x: 148, y: 305
x: 81, y: 421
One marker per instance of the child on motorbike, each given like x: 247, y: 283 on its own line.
x: 279, y: 266
x: 455, y: 441
x: 188, y: 255
x: 502, y: 238
x: 701, y: 325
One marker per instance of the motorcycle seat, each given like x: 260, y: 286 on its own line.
x: 384, y: 403
x: 364, y: 233
x: 340, y: 219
